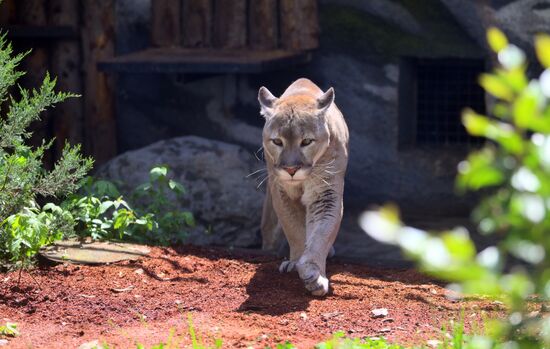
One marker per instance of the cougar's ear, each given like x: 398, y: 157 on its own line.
x: 267, y: 100
x: 325, y: 100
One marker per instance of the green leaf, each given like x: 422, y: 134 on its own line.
x: 542, y: 47
x: 105, y: 206
x: 525, y: 109
x: 496, y: 39
x: 158, y: 172
x: 176, y: 187
x: 479, y: 171
x: 496, y: 86
x: 189, y: 219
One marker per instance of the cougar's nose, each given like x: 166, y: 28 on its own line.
x: 291, y: 169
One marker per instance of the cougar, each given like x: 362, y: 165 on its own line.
x: 305, y: 141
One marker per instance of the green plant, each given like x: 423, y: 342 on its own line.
x: 514, y: 169
x: 23, y: 179
x: 102, y: 213
x: 9, y: 330
x: 339, y: 341
x: 158, y: 197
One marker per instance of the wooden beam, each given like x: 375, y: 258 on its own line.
x: 98, y: 42
x: 299, y: 24
x: 165, y: 23
x: 197, y: 23
x: 7, y: 12
x: 36, y: 65
x: 263, y: 26
x: 66, y: 62
x: 230, y: 24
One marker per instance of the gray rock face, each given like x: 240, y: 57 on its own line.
x: 520, y: 19
x: 225, y: 203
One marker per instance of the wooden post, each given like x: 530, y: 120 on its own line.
x: 33, y: 13
x: 197, y: 23
x: 230, y: 24
x: 165, y: 23
x: 98, y: 42
x: 7, y: 12
x: 66, y: 62
x: 263, y: 29
x: 299, y: 24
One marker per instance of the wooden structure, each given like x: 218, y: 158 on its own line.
x: 75, y: 41
x: 67, y: 38
x: 224, y: 36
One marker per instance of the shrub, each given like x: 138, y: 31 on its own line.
x: 102, y: 213
x: 23, y: 179
x: 514, y: 168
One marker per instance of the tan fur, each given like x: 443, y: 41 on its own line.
x: 307, y: 205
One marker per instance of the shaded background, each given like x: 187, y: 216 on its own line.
x: 153, y: 70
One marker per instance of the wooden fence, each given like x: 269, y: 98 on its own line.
x: 70, y: 38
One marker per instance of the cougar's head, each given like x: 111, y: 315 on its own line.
x: 296, y: 133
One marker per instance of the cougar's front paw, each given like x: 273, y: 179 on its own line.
x: 314, y: 282
x: 287, y: 266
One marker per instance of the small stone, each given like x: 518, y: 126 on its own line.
x: 327, y: 316
x: 138, y: 271
x: 91, y: 345
x: 433, y: 291
x: 385, y: 330
x: 303, y: 316
x: 120, y: 290
x: 3, y: 342
x: 434, y: 343
x: 380, y: 312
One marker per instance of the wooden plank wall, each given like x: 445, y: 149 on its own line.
x: 90, y: 119
x: 98, y: 42
x: 34, y: 13
x: 237, y: 24
x: 66, y: 62
x: 218, y: 24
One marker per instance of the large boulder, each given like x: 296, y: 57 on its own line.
x: 226, y: 205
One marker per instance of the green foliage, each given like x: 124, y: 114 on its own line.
x: 23, y: 226
x: 102, y: 213
x: 339, y: 341
x: 514, y: 167
x: 9, y: 330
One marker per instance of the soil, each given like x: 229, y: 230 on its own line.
x: 236, y: 296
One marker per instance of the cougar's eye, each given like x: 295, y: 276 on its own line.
x: 277, y: 141
x: 306, y: 142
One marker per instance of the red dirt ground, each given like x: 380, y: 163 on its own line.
x: 238, y: 297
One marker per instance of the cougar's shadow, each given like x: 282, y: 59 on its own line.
x: 273, y: 293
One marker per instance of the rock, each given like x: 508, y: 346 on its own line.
x: 3, y: 342
x: 520, y: 20
x: 225, y: 203
x: 381, y: 312
x: 88, y: 252
x: 390, y: 11
x: 91, y: 345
